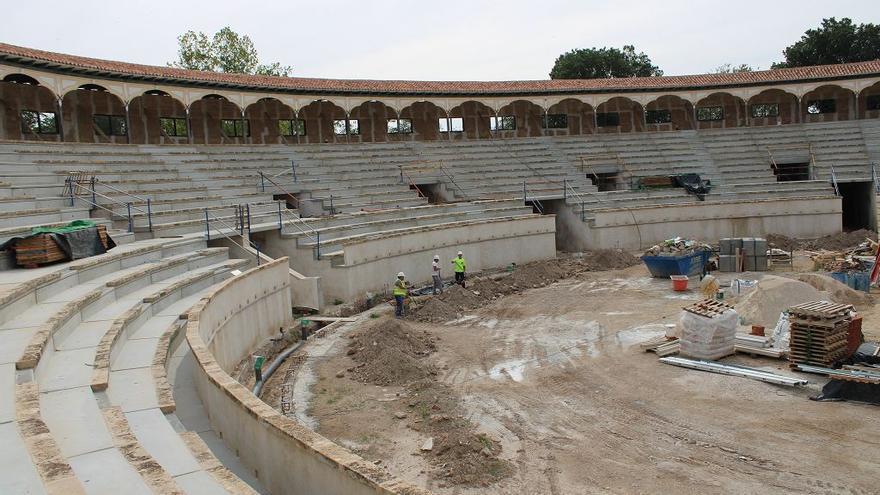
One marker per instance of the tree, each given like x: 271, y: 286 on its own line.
x: 226, y: 51
x: 729, y: 68
x: 834, y: 42
x: 595, y: 63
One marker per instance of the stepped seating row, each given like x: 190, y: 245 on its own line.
x: 83, y: 408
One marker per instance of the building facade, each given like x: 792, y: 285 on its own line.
x: 48, y: 96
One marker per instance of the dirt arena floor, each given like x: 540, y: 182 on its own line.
x: 552, y: 382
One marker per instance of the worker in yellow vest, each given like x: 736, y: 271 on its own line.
x: 459, y: 266
x: 400, y: 291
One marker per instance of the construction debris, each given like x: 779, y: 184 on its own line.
x: 676, y: 246
x: 662, y: 346
x: 733, y: 370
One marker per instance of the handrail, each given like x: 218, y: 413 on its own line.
x: 93, y: 202
x: 250, y: 243
x: 97, y: 180
x: 289, y: 195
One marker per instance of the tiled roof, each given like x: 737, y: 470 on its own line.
x: 109, y: 68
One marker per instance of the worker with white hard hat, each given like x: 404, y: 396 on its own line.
x: 435, y: 275
x: 399, y: 292
x: 460, y: 268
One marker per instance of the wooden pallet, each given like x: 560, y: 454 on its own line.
x: 820, y: 309
x: 710, y: 308
x: 42, y: 249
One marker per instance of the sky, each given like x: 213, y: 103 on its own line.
x: 448, y: 40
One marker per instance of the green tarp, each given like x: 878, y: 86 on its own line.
x: 64, y: 229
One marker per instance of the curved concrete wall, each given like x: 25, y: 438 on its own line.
x: 285, y: 456
x: 626, y: 228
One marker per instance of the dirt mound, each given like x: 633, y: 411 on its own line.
x: 609, y: 259
x: 772, y: 296
x: 389, y: 352
x: 785, y: 243
x: 837, y: 291
x: 433, y: 310
x: 840, y: 242
x: 483, y: 290
x: 834, y: 242
x: 461, y: 455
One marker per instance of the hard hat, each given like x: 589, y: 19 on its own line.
x: 436, y: 256
x: 400, y: 275
x: 460, y: 253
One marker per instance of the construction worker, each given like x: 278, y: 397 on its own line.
x: 460, y: 267
x: 435, y: 275
x: 400, y: 292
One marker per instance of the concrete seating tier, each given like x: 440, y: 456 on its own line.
x: 105, y: 310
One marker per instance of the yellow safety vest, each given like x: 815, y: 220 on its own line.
x: 460, y: 265
x: 399, y: 288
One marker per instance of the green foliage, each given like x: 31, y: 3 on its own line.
x: 226, y: 51
x: 834, y: 42
x: 729, y: 68
x: 598, y: 63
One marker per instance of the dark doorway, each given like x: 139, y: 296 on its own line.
x: 787, y: 172
x: 859, y: 205
x: 609, y: 181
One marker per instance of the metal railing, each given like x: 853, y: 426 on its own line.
x: 301, y: 225
x: 72, y: 188
x: 622, y: 171
x: 431, y: 166
x: 789, y: 173
x: 240, y: 228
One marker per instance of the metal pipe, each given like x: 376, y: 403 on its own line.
x: 130, y: 223
x: 732, y: 370
x: 149, y: 215
x: 279, y: 360
x: 207, y: 224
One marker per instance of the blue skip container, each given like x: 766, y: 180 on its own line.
x: 854, y: 280
x: 687, y: 264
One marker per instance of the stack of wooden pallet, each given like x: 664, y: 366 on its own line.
x: 819, y: 332
x: 41, y: 249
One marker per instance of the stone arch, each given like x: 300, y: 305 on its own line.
x: 475, y: 118
x: 24, y: 93
x: 681, y: 111
x: 319, y: 116
x: 631, y: 115
x: 733, y: 110
x: 144, y: 112
x: 844, y: 104
x: 263, y: 117
x: 868, y: 98
x: 529, y: 117
x: 372, y: 116
x: 425, y: 116
x: 788, y: 107
x: 579, y: 115
x: 79, y: 108
x: 205, y: 120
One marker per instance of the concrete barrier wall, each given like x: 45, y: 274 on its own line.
x: 372, y: 265
x: 285, y: 456
x: 305, y: 292
x: 638, y: 228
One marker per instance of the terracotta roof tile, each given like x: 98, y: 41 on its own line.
x: 307, y: 85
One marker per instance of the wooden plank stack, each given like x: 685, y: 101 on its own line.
x: 42, y: 249
x: 819, y: 333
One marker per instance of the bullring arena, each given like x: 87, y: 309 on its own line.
x: 257, y: 215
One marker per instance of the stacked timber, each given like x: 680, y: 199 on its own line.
x: 819, y: 333
x: 41, y: 249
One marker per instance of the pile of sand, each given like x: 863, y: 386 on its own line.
x: 837, y: 291
x: 389, y: 352
x: 774, y: 295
